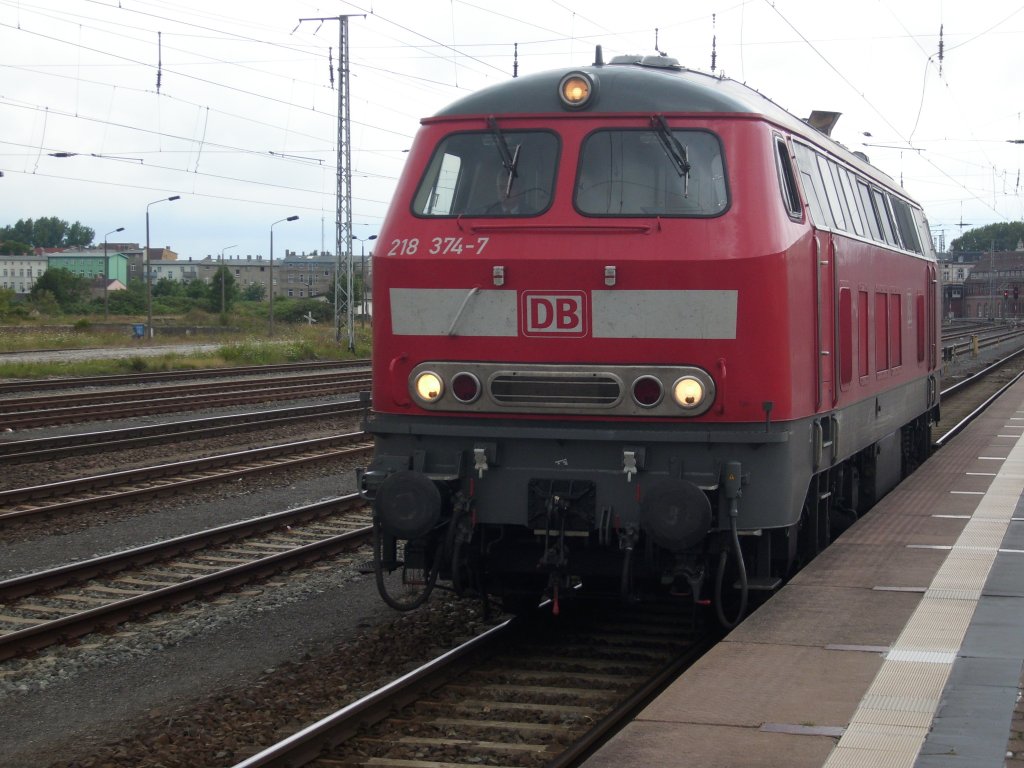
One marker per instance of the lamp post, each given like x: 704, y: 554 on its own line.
x: 362, y: 272
x: 222, y: 275
x: 290, y: 218
x: 106, y: 273
x: 149, y: 273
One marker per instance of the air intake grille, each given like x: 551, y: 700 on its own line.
x: 593, y: 390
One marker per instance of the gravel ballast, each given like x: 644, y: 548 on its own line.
x: 211, y: 682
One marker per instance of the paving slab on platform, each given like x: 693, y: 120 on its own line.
x: 809, y: 616
x: 649, y: 745
x: 867, y: 565
x: 755, y: 690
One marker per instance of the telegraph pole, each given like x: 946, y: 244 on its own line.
x: 343, y: 234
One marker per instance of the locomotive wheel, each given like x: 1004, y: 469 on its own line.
x: 401, y: 586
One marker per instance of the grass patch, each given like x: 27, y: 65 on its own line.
x: 293, y: 344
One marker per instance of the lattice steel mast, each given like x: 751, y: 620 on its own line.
x: 343, y: 232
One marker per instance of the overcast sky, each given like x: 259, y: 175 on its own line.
x: 230, y: 104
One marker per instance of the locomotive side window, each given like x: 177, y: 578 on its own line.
x: 869, y: 211
x: 884, y: 219
x: 906, y: 225
x: 787, y: 182
x: 630, y: 173
x: 814, y: 189
x: 846, y: 186
x: 831, y: 193
x: 495, y: 173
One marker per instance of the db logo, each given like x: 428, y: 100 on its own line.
x: 554, y: 314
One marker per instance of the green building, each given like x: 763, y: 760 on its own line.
x: 90, y: 264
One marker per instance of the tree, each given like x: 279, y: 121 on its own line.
x: 999, y: 237
x: 222, y: 285
x: 165, y: 286
x: 45, y: 303
x: 296, y: 310
x: 129, y: 302
x: 8, y: 306
x: 49, y: 232
x: 68, y: 290
x: 254, y: 292
x: 198, y: 291
x: 14, y: 248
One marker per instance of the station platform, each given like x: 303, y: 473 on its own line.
x: 899, y: 646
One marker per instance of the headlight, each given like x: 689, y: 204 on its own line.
x: 428, y: 387
x: 465, y: 387
x: 576, y: 89
x: 647, y: 391
x: 688, y: 392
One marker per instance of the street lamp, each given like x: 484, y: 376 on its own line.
x: 362, y: 272
x: 222, y: 275
x: 290, y: 218
x: 149, y: 273
x: 106, y: 273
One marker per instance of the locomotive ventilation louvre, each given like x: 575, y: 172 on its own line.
x: 552, y: 390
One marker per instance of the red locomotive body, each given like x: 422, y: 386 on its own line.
x: 638, y: 328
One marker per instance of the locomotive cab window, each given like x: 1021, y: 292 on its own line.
x: 651, y: 173
x: 494, y: 173
x: 787, y: 181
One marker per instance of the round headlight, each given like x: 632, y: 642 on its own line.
x: 688, y: 392
x: 465, y: 387
x: 428, y: 387
x: 647, y: 391
x: 575, y: 90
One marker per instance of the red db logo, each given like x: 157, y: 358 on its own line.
x: 554, y: 314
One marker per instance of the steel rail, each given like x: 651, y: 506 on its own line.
x: 132, y: 608
x: 149, y: 406
x: 125, y: 483
x: 58, y: 400
x: 518, y: 656
x: 962, y: 424
x: 74, y: 382
x: 35, y: 449
x: 53, y: 578
x: 305, y: 745
x: 621, y: 715
x: 974, y: 378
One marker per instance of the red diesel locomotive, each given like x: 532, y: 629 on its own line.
x: 638, y: 329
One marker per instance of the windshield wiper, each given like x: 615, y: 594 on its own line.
x: 676, y: 152
x: 509, y: 158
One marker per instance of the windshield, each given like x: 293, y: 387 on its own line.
x: 651, y: 173
x: 497, y: 173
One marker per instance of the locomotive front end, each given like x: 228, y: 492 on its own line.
x: 563, y: 391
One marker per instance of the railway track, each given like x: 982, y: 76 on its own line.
x: 102, y: 490
x: 64, y: 603
x: 529, y: 692
x: 498, y: 709
x: 79, y: 382
x: 958, y: 343
x: 966, y: 399
x: 26, y: 412
x: 42, y: 448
